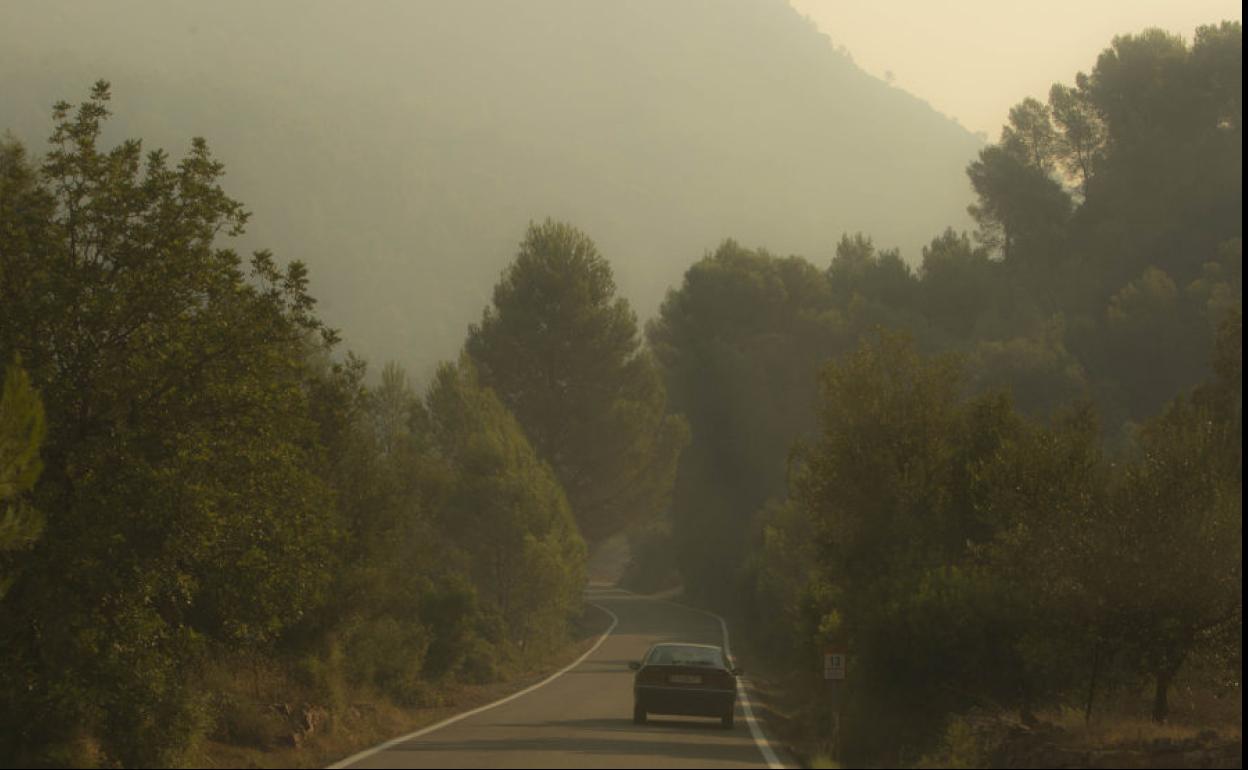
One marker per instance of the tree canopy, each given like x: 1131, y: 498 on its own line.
x: 563, y: 354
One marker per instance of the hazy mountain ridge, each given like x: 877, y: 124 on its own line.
x: 658, y: 128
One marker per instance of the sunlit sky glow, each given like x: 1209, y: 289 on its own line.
x: 974, y: 59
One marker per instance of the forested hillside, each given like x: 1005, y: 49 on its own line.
x: 1012, y: 475
x: 398, y: 148
x: 1002, y: 472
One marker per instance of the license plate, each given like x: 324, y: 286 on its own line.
x: 684, y: 679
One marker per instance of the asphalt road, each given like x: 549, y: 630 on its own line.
x: 583, y: 717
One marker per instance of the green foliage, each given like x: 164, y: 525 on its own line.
x: 389, y: 655
x: 967, y: 556
x: 1170, y: 186
x: 1147, y: 319
x: 879, y: 470
x: 1045, y: 494
x: 1091, y: 280
x: 1151, y: 144
x: 563, y: 354
x: 188, y: 476
x: 461, y: 553
x: 1038, y: 369
x: 1030, y: 136
x: 1081, y: 132
x: 1022, y: 211
x: 739, y: 343
x: 882, y: 277
x: 1135, y: 564
x: 958, y: 283
x: 1179, y: 516
x: 505, y: 509
x: 218, y: 488
x: 794, y: 604
x: 882, y: 506
x: 181, y: 505
x: 22, y: 429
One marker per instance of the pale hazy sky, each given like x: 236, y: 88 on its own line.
x: 974, y: 59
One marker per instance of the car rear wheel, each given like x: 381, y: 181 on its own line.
x: 728, y: 719
x: 639, y: 714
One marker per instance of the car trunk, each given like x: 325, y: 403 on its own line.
x: 693, y: 677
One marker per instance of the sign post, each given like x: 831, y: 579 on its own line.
x: 835, y: 665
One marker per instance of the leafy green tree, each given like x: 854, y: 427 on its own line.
x: 1139, y: 84
x: 855, y: 256
x: 1183, y: 523
x: 22, y: 428
x: 1169, y: 185
x: 1081, y: 140
x: 183, y: 511
x: 398, y: 603
x: 1225, y: 394
x: 1037, y: 369
x: 959, y: 284
x: 1147, y: 321
x: 1130, y: 567
x: 1044, y: 495
x: 1217, y: 61
x: 1180, y: 517
x: 504, y: 508
x: 563, y: 354
x: 965, y: 554
x: 1030, y: 136
x: 739, y: 343
x: 1022, y: 211
x: 792, y: 605
x: 882, y: 465
x: 1218, y: 293
x: 879, y: 278
x: 888, y: 488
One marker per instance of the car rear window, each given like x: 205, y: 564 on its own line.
x: 674, y: 655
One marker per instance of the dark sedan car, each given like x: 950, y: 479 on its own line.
x: 686, y: 680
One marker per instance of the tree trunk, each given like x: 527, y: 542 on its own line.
x: 1025, y: 713
x: 1096, y: 670
x: 1161, y: 707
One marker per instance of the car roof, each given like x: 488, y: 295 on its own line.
x: 686, y: 644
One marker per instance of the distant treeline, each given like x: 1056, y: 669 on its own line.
x: 197, y: 493
x: 1019, y: 478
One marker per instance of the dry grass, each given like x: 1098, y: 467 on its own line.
x: 1206, y: 721
x: 263, y: 739
x: 1129, y: 730
x: 1203, y: 701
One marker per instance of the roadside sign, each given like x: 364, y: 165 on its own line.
x: 834, y: 665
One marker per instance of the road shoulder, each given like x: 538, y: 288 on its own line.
x: 371, y: 720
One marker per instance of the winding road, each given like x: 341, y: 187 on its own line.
x: 582, y: 716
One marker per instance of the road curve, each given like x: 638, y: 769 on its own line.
x: 583, y: 717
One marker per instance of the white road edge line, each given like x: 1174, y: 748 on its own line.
x: 760, y: 738
x: 756, y: 730
x: 426, y: 730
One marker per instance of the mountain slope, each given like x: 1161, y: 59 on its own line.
x: 401, y: 148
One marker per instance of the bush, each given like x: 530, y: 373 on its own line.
x: 245, y: 722
x: 389, y: 655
